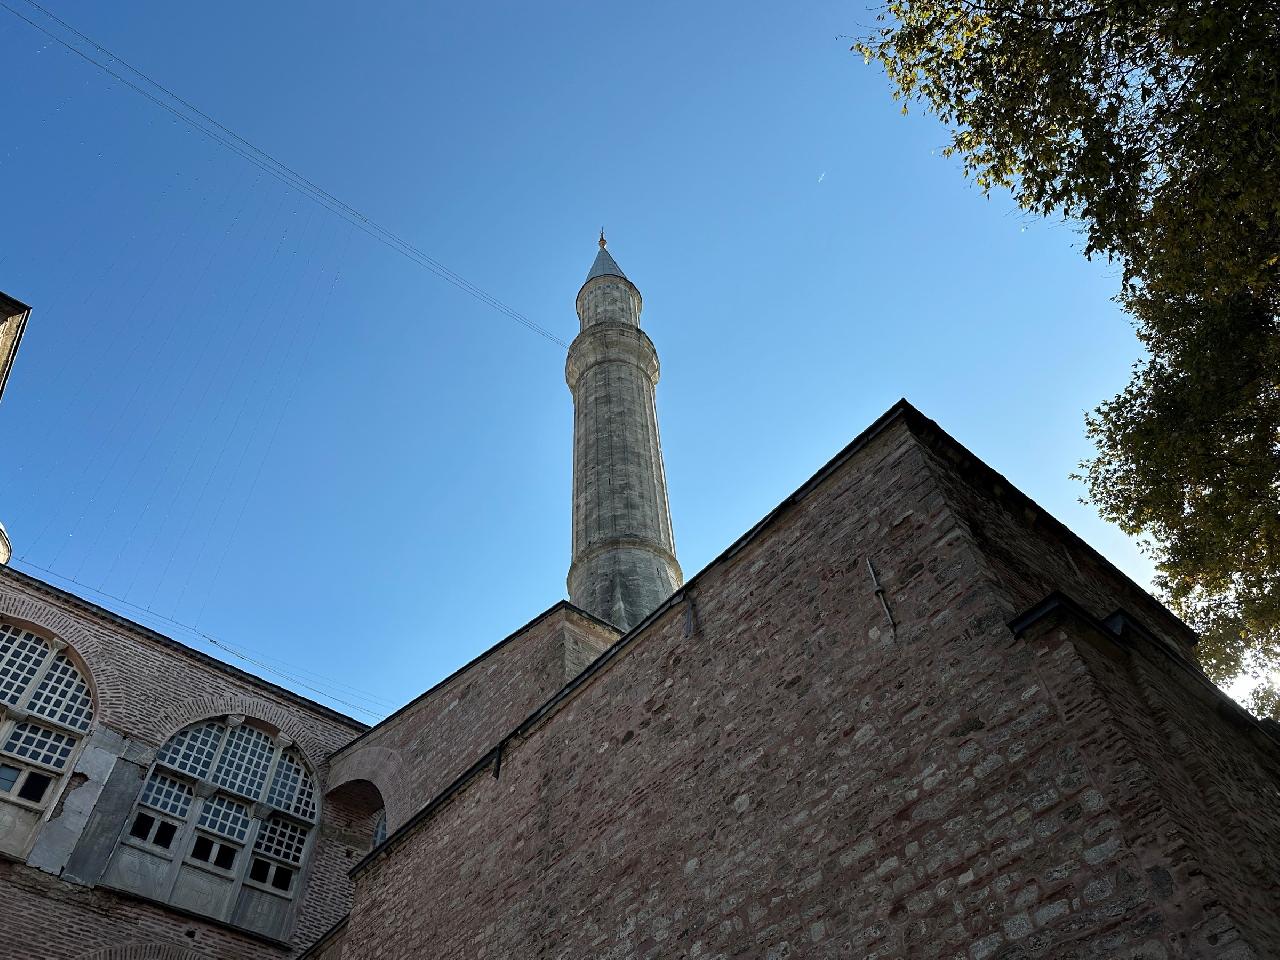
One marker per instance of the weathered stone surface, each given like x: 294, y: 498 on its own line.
x: 110, y: 813
x: 624, y: 561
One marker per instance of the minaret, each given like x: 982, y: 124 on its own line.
x: 624, y: 556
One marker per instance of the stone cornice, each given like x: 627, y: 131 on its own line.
x: 625, y: 543
x: 611, y: 343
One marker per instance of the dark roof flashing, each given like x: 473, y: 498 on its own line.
x: 1128, y: 632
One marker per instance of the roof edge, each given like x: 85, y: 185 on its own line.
x: 931, y: 432
x: 492, y: 758
x: 556, y: 607
x: 102, y: 613
x: 921, y: 427
x: 1125, y: 629
x: 16, y: 312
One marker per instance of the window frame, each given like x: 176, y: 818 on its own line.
x: 12, y: 715
x: 258, y: 811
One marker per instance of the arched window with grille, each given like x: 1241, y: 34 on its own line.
x: 223, y: 825
x: 45, y: 710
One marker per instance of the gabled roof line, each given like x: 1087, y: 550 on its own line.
x: 474, y: 661
x: 493, y: 757
x: 920, y: 426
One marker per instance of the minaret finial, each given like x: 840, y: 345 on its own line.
x: 602, y: 240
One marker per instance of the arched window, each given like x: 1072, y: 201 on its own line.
x: 45, y: 709
x: 223, y: 825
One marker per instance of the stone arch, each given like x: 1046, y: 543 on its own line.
x: 80, y: 645
x: 360, y: 806
x: 184, y: 714
x: 382, y: 767
x: 143, y: 951
x: 49, y: 620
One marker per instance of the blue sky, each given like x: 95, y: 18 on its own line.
x: 234, y: 410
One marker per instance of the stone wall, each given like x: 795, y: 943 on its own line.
x: 50, y: 919
x: 1185, y: 775
x: 770, y: 767
x: 1026, y: 553
x: 146, y: 688
x: 418, y: 751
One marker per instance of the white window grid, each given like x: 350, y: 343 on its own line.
x: 40, y: 745
x: 21, y: 654
x: 63, y: 696
x: 244, y: 762
x: 167, y: 795
x: 192, y: 751
x: 291, y: 787
x: 225, y: 816
x: 282, y: 839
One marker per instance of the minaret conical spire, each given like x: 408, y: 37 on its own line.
x: 605, y: 265
x: 624, y: 562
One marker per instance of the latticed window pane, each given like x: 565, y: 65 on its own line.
x: 291, y: 787
x: 225, y: 816
x: 21, y: 653
x: 244, y: 761
x: 63, y: 695
x: 165, y: 793
x: 281, y: 839
x: 192, y: 751
x: 40, y: 745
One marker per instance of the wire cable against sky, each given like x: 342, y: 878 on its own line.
x: 197, y: 119
x: 239, y: 654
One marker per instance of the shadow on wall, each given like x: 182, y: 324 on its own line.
x: 359, y: 817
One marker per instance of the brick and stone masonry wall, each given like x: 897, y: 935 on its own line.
x: 421, y: 749
x: 1170, y: 749
x: 1186, y: 778
x: 45, y: 918
x: 1027, y: 553
x: 145, y: 690
x: 775, y: 773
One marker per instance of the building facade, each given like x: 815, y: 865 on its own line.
x: 13, y: 322
x: 908, y: 714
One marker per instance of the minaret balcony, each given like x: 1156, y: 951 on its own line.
x: 611, y: 343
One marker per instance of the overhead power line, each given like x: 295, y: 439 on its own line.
x: 291, y: 675
x: 200, y: 121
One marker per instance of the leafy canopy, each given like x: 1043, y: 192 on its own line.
x: 1156, y: 126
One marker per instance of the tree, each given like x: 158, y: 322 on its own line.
x: 1155, y: 124
x: 1188, y: 455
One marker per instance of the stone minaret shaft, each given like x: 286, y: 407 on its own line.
x: 624, y: 555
